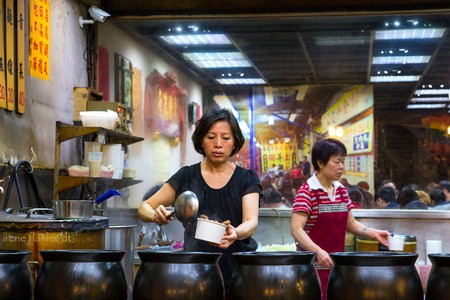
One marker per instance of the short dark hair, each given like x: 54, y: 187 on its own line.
x: 208, y: 119
x: 324, y: 149
x: 445, y: 184
x: 386, y: 193
x: 437, y: 196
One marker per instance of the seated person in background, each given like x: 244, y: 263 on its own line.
x: 356, y: 195
x: 407, y: 194
x: 437, y: 197
x: 390, y: 183
x: 445, y: 185
x: 424, y: 197
x: 385, y: 198
x: 271, y: 197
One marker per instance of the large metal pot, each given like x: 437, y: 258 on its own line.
x: 43, y: 232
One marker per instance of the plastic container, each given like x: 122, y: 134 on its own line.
x: 104, y: 119
x: 210, y: 231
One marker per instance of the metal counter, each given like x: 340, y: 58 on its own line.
x: 424, y: 224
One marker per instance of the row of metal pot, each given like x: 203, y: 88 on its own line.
x: 98, y: 274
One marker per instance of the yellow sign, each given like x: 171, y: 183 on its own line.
x: 284, y: 154
x: 39, y: 58
x: 2, y: 57
x: 20, y: 57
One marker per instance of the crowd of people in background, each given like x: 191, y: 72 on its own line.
x: 280, y: 186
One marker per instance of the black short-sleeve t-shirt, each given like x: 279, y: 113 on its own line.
x: 220, y: 205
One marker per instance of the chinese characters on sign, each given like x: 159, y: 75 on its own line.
x: 2, y: 58
x: 20, y: 72
x: 10, y: 50
x: 39, y: 58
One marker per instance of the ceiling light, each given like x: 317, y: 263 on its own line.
x: 404, y: 34
x: 270, y: 120
x: 408, y: 78
x: 341, y: 41
x: 433, y: 92
x: 425, y: 106
x: 396, y: 60
x: 431, y: 99
x: 218, y: 59
x: 197, y: 39
x: 237, y: 81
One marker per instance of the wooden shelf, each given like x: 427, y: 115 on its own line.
x: 69, y: 182
x: 66, y: 132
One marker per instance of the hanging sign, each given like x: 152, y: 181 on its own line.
x: 10, y: 50
x: 2, y: 57
x: 39, y: 54
x: 20, y: 73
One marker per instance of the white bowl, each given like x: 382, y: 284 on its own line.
x: 210, y: 231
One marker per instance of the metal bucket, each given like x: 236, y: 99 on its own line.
x: 121, y: 237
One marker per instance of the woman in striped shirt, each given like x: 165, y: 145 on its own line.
x: 321, y: 213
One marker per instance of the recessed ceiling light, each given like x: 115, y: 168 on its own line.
x: 237, y: 81
x: 426, y: 106
x: 407, y: 78
x: 431, y: 99
x: 341, y: 41
x: 392, y: 60
x: 218, y: 59
x: 403, y: 34
x: 433, y: 92
x: 197, y: 39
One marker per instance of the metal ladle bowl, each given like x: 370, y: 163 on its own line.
x: 186, y: 207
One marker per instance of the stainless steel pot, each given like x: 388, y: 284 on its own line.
x: 79, y: 209
x: 72, y: 209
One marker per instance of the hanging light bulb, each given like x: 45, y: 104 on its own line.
x: 331, y: 131
x: 339, y: 131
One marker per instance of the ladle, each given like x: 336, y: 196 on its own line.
x: 185, y: 207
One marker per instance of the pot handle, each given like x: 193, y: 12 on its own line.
x: 30, y: 211
x: 107, y: 195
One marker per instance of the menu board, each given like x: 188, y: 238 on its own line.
x: 39, y: 53
x: 2, y: 57
x: 10, y: 50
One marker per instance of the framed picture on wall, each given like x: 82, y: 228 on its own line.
x: 124, y: 83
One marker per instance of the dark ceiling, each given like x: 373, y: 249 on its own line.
x: 326, y: 53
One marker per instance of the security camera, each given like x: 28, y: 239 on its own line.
x: 97, y: 14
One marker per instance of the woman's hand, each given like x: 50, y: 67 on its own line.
x: 324, y: 259
x: 161, y: 215
x: 228, y: 238
x: 381, y: 236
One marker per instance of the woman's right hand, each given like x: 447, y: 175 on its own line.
x: 324, y: 259
x: 162, y: 216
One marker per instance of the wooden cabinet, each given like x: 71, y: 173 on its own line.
x: 66, y: 132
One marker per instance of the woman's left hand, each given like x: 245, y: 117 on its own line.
x: 228, y: 238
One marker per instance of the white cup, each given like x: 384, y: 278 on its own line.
x: 396, y: 243
x: 95, y: 163
x: 433, y: 246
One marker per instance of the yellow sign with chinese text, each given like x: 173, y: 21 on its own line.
x: 20, y: 73
x: 2, y: 57
x: 39, y: 57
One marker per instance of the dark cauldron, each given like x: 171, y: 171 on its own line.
x: 275, y: 275
x: 81, y: 274
x: 178, y: 275
x: 15, y: 276
x: 374, y: 276
x: 439, y: 278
